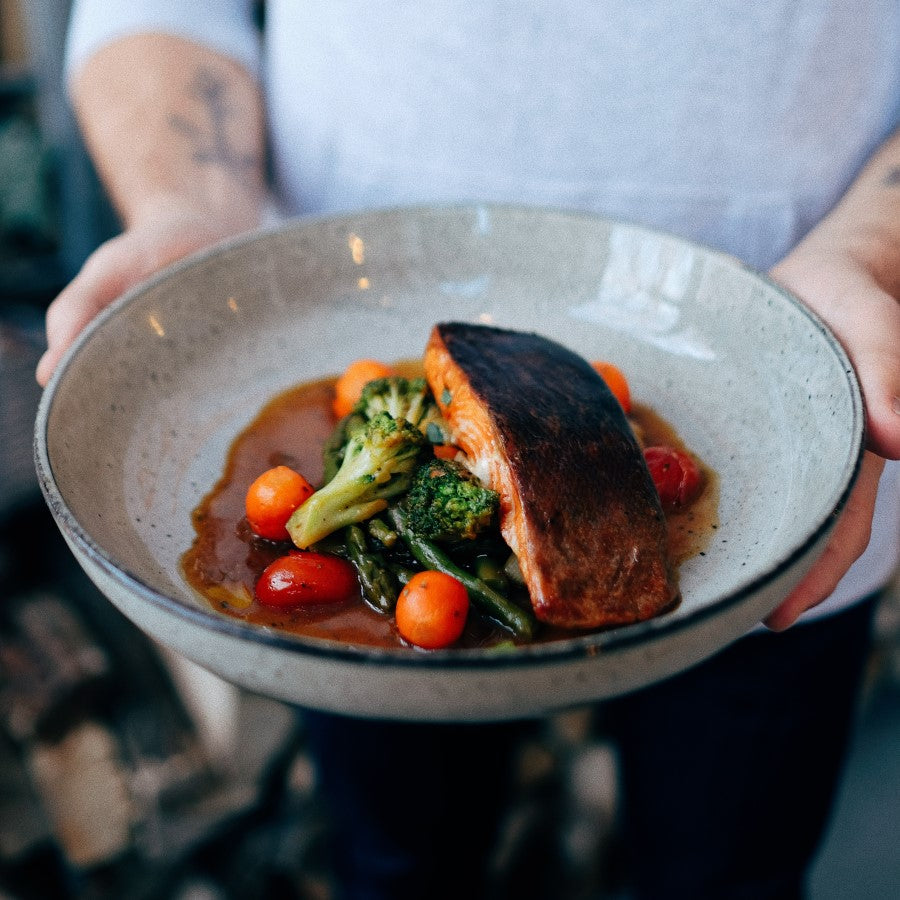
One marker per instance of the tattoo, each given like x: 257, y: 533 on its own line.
x: 892, y: 179
x: 211, y: 144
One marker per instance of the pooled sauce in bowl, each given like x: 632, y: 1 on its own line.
x: 227, y: 558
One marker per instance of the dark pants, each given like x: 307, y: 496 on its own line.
x: 728, y: 775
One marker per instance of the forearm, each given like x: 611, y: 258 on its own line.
x: 176, y: 133
x: 172, y: 125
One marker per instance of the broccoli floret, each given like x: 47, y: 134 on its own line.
x: 446, y: 502
x: 405, y: 398
x: 377, y: 465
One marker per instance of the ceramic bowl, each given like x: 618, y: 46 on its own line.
x: 134, y: 427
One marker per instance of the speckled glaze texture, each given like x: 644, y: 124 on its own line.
x: 134, y: 427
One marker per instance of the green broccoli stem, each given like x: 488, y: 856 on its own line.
x: 333, y: 451
x: 378, y: 585
x: 489, y: 601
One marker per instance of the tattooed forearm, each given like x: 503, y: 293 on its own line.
x: 892, y: 179
x: 210, y: 142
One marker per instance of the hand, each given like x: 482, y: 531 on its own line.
x: 119, y: 264
x: 847, y: 542
x: 843, y: 290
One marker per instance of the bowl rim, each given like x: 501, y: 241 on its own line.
x: 605, y: 641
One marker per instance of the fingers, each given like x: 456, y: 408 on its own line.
x: 878, y: 368
x: 102, y: 278
x: 114, y: 268
x: 866, y: 320
x: 869, y: 329
x: 847, y: 542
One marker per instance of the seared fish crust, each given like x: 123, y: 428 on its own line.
x: 577, y: 504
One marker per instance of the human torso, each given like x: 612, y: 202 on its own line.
x: 735, y: 123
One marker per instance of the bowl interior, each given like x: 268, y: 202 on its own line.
x: 136, y: 424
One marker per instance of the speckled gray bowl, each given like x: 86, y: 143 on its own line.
x: 134, y: 428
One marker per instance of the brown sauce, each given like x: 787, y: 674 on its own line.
x: 227, y: 559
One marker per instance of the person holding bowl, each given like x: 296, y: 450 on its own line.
x: 768, y: 131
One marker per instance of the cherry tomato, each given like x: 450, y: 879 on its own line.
x: 677, y: 477
x: 616, y: 381
x: 348, y: 388
x: 431, y: 610
x: 272, y: 498
x: 304, y: 578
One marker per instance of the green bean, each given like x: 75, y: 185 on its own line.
x: 378, y: 584
x: 490, y: 602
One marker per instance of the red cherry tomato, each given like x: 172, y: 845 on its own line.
x: 304, y: 578
x: 677, y: 477
x: 272, y: 498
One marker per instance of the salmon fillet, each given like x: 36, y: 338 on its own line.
x: 577, y: 504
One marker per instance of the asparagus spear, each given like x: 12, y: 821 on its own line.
x: 378, y: 585
x: 403, y: 573
x: 491, y: 573
x: 491, y: 603
x: 381, y: 532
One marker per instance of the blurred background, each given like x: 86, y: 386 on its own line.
x: 125, y: 772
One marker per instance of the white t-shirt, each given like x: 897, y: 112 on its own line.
x: 735, y: 123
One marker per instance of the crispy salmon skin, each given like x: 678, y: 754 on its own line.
x: 577, y: 504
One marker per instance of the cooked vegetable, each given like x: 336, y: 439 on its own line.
x: 677, y: 477
x: 272, y: 498
x: 230, y: 594
x: 379, y: 584
x: 446, y: 502
x: 405, y: 398
x: 377, y: 465
x: 301, y: 579
x: 382, y: 533
x: 431, y: 610
x: 445, y: 451
x: 490, y: 602
x: 491, y: 573
x: 403, y: 573
x: 512, y: 570
x: 616, y: 381
x: 333, y: 451
x: 349, y: 386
